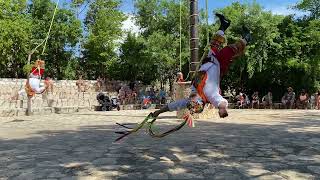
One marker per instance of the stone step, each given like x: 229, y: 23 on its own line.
x: 130, y: 107
x: 71, y: 109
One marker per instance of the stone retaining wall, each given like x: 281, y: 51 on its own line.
x: 64, y: 98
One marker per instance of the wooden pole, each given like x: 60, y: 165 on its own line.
x: 194, y: 37
x: 28, y: 112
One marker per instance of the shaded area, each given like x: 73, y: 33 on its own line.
x: 212, y: 150
x: 125, y: 115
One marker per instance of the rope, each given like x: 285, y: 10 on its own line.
x: 180, y: 34
x: 160, y: 135
x: 207, y: 17
x: 150, y: 128
x: 46, y: 40
x: 138, y: 127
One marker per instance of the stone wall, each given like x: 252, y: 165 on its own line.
x: 63, y: 98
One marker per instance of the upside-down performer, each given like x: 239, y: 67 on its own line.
x: 206, y: 84
x: 32, y: 86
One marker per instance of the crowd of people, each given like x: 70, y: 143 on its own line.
x: 130, y: 94
x: 288, y: 101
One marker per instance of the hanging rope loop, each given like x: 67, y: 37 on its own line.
x: 48, y: 34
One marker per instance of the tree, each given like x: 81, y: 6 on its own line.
x: 160, y: 22
x: 259, y: 55
x: 134, y: 62
x: 15, y: 34
x: 312, y: 6
x: 103, y: 23
x: 283, y: 53
x: 64, y: 35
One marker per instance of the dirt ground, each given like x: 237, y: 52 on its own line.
x: 249, y: 144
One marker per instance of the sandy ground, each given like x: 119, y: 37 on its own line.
x: 249, y: 144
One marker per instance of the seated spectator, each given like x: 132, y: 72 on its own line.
x: 288, y: 99
x: 146, y: 103
x: 241, y: 100
x: 179, y: 77
x: 267, y: 100
x: 255, y: 99
x: 134, y: 96
x: 152, y: 95
x: 313, y: 101
x: 303, y: 100
x: 122, y: 95
x: 129, y: 97
x: 247, y: 100
x: 318, y: 100
x: 162, y: 96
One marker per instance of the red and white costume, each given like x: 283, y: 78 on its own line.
x: 33, y: 82
x: 217, y: 65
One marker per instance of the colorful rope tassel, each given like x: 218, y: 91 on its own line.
x: 189, y: 119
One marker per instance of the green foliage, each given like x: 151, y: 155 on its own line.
x: 160, y: 22
x: 70, y: 71
x: 27, y: 68
x: 103, y: 22
x: 64, y: 35
x: 284, y: 52
x: 15, y: 31
x: 23, y: 27
x: 311, y: 6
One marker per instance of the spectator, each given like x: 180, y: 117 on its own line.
x: 122, y: 95
x: 303, y: 100
x: 146, y: 102
x: 313, y: 101
x: 267, y: 100
x: 152, y: 95
x: 129, y: 97
x: 255, y: 99
x: 247, y: 100
x: 134, y: 96
x: 162, y: 96
x: 48, y: 84
x: 179, y: 77
x: 240, y: 100
x: 99, y: 84
x: 288, y: 99
x: 318, y: 100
